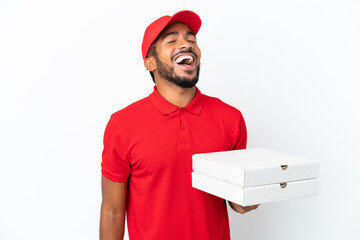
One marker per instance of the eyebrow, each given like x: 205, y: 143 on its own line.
x: 189, y: 33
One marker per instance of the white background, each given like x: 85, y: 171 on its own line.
x: 291, y: 67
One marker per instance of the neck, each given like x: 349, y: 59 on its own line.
x: 174, y: 94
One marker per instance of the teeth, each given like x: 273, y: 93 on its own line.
x: 182, y: 58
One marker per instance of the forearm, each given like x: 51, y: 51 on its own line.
x: 112, y: 224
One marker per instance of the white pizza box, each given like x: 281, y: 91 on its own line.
x: 255, y: 176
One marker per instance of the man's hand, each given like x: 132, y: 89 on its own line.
x: 240, y: 209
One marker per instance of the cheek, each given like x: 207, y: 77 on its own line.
x: 164, y: 54
x: 198, y: 52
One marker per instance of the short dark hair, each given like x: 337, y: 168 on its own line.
x: 152, y: 53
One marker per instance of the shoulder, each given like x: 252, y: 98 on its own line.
x: 215, y: 104
x: 125, y: 119
x: 133, y: 109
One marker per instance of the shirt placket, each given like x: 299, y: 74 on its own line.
x: 184, y: 141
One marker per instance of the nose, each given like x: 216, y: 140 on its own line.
x: 184, y: 44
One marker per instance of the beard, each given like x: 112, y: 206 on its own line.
x: 167, y: 72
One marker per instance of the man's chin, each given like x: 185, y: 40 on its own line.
x: 184, y: 82
x: 187, y: 79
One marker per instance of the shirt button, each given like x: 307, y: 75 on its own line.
x: 181, y: 111
x: 182, y: 126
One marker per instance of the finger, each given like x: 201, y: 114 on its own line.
x: 244, y: 209
x: 254, y: 207
x: 250, y: 208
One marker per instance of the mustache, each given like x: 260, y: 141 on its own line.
x: 184, y: 51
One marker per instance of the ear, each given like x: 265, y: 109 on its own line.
x: 150, y: 64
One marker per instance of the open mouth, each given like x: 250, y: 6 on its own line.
x: 185, y: 61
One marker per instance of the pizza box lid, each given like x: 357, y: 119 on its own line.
x: 255, y: 167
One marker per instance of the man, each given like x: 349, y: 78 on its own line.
x: 148, y: 145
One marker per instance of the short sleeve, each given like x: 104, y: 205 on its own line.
x: 241, y: 134
x: 115, y: 165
